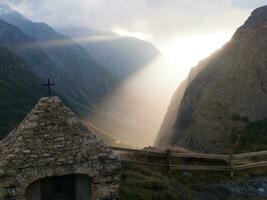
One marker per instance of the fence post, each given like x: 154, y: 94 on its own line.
x: 168, y: 159
x: 230, y: 164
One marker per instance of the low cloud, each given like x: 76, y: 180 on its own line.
x: 161, y: 19
x: 248, y: 4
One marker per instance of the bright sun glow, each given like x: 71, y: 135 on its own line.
x: 182, y: 53
x: 139, y: 35
x: 186, y: 52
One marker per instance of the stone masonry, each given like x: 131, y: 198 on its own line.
x: 51, y: 141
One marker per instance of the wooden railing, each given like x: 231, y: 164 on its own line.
x: 229, y: 163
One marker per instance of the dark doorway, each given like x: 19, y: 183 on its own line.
x: 70, y: 187
x: 58, y: 188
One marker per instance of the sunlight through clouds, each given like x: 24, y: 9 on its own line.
x: 139, y: 35
x: 186, y: 52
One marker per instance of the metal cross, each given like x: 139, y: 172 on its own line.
x: 48, y: 84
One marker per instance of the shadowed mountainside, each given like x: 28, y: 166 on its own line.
x: 121, y: 56
x: 80, y: 79
x: 227, y: 93
x: 166, y: 128
x: 19, y: 89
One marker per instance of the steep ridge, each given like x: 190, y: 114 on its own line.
x: 166, y: 129
x: 121, y: 56
x: 227, y: 93
x: 27, y: 49
x: 19, y: 90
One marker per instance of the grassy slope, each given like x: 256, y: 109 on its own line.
x: 254, y: 137
x: 146, y: 183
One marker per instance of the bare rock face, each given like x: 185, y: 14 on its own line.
x: 229, y: 91
x: 166, y: 129
x: 51, y: 141
x: 258, y: 18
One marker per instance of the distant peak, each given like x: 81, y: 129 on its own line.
x: 260, y: 10
x: 257, y: 18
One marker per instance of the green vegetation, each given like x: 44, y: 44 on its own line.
x: 236, y: 117
x: 146, y: 183
x: 143, y: 183
x: 254, y: 137
x: 149, y: 183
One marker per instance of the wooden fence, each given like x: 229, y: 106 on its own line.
x: 229, y: 163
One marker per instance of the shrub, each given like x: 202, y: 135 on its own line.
x: 254, y: 137
x: 236, y: 117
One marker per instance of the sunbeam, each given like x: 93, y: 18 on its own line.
x: 134, y: 112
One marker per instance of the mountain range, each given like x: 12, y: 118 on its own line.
x: 80, y: 80
x: 122, y: 56
x: 70, y: 66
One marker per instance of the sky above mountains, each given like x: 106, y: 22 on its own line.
x: 185, y: 31
x: 150, y: 19
x: 190, y: 28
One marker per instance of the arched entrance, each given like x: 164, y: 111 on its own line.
x: 69, y: 187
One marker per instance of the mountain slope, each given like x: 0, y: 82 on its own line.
x: 167, y: 126
x: 79, y: 79
x: 227, y: 93
x: 121, y: 56
x: 26, y: 48
x: 19, y: 90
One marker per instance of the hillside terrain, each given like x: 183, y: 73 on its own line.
x: 227, y: 94
x: 19, y: 89
x: 146, y: 183
x: 80, y: 79
x: 166, y: 128
x: 27, y: 49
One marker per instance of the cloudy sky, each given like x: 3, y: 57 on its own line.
x: 154, y: 19
x: 192, y: 28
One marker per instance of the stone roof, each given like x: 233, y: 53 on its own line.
x: 51, y: 141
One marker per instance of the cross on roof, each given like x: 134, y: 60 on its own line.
x: 48, y: 84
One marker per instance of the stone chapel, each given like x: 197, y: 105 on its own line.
x: 51, y: 155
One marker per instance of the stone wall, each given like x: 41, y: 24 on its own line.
x: 51, y: 141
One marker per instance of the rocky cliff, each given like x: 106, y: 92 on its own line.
x: 229, y: 91
x: 166, y: 128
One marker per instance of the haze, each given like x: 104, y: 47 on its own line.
x: 185, y: 31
